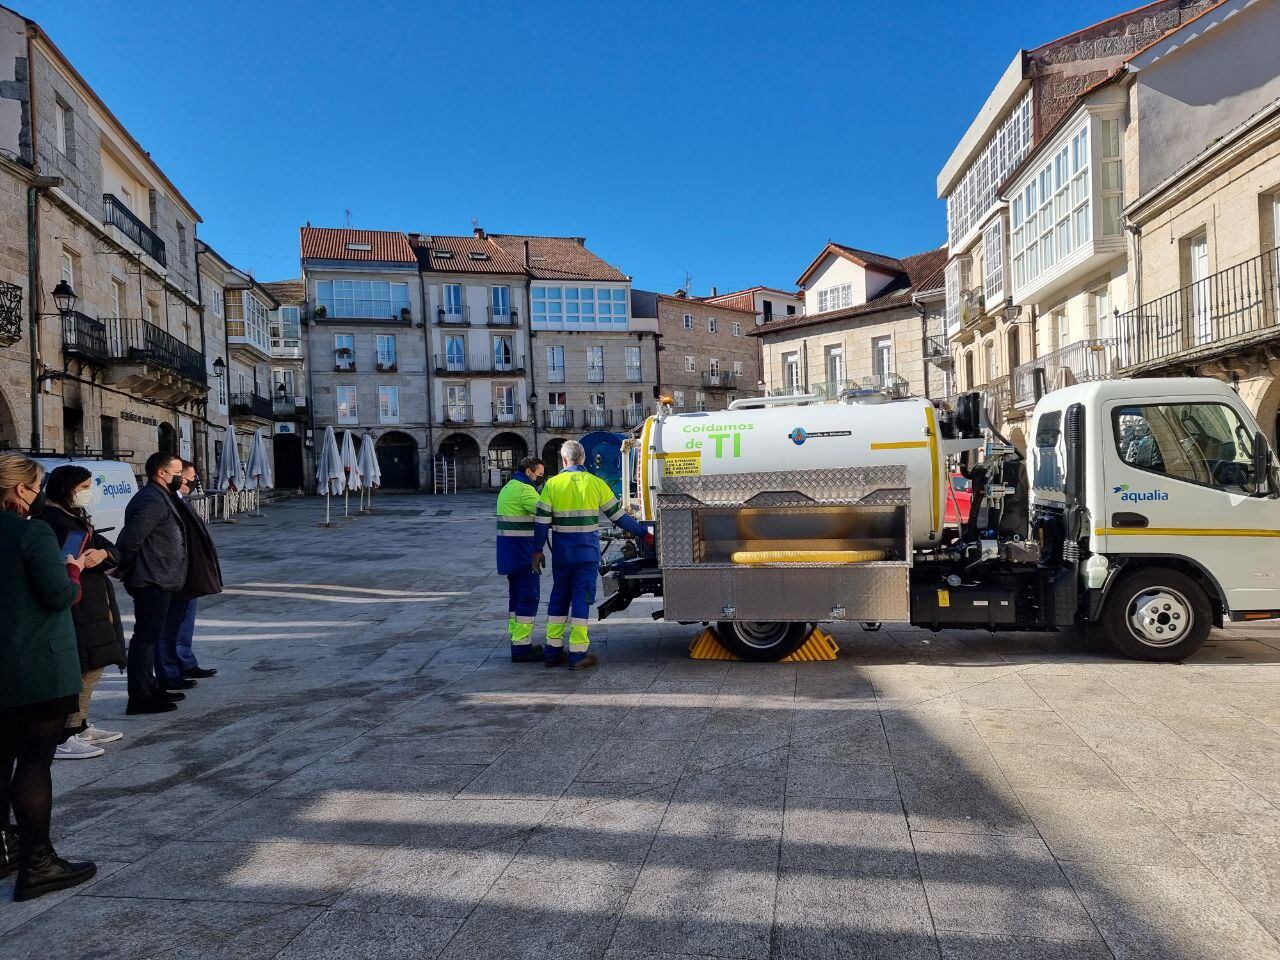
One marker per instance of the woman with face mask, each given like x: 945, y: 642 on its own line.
x: 99, y: 635
x: 39, y: 682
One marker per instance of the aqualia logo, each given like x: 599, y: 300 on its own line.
x: 122, y: 489
x: 1138, y: 496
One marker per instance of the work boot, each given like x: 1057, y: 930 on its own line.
x: 553, y: 656
x: 43, y: 871
x: 526, y: 652
x: 8, y: 851
x: 152, y: 704
x: 581, y: 661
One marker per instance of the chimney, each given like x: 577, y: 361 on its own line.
x: 479, y: 232
x: 526, y: 254
x: 714, y: 291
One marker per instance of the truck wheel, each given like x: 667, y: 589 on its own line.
x: 761, y: 641
x: 1157, y: 614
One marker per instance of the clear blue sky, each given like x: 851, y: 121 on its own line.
x: 731, y: 140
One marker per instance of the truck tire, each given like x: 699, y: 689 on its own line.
x: 761, y: 641
x: 1157, y: 614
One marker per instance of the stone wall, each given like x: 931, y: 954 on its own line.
x: 701, y: 344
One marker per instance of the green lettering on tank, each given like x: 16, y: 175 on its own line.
x: 720, y: 438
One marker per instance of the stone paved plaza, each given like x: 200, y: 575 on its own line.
x: 370, y: 777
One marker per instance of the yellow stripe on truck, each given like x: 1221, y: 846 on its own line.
x: 1180, y: 532
x: 645, y: 436
x: 931, y: 424
x: 901, y: 445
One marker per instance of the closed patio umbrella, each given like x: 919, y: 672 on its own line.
x: 370, y: 472
x: 258, y: 468
x: 230, y: 477
x: 351, y: 468
x: 329, y: 475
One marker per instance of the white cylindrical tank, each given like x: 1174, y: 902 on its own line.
x: 793, y: 437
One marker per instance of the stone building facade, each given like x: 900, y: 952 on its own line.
x: 707, y: 356
x: 293, y: 444
x: 870, y: 321
x: 367, y: 346
x: 123, y: 370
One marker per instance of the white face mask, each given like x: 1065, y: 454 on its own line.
x: 82, y: 499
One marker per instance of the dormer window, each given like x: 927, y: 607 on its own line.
x: 360, y: 247
x: 478, y: 255
x: 442, y: 254
x: 835, y: 298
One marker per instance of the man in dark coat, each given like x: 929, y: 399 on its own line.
x: 175, y: 660
x: 153, y: 567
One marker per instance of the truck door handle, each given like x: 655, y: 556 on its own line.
x: 1128, y: 520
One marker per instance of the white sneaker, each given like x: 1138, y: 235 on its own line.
x: 92, y: 734
x: 77, y: 749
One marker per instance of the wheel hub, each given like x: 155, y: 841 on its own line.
x: 1160, y: 617
x: 760, y: 635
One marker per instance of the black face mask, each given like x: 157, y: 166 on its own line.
x: 175, y: 484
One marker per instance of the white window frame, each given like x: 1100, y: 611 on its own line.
x: 119, y: 296
x: 555, y: 371
x: 634, y: 367
x: 882, y: 356
x: 711, y: 325
x: 1111, y: 177
x: 737, y: 328
x: 792, y: 374
x: 64, y: 123
x: 1051, y: 215
x: 690, y: 364
x: 505, y: 403
x: 362, y: 299
x: 579, y: 307
x: 836, y: 297
x: 737, y: 368
x: 386, y: 350
x: 688, y: 321
x: 993, y: 257
x: 388, y: 404
x: 974, y: 194
x: 346, y: 395
x: 595, y: 364
x: 347, y: 340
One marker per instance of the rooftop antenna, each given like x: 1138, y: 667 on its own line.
x: 348, y: 213
x: 688, y: 282
x: 474, y: 223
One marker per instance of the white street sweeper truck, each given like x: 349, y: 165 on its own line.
x: 1146, y: 511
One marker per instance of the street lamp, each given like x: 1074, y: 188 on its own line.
x: 64, y: 297
x: 219, y: 368
x: 1011, y: 312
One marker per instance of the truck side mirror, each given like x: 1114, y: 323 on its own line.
x: 1261, y: 466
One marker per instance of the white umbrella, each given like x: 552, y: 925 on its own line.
x: 258, y: 471
x: 230, y: 470
x: 350, y: 467
x: 370, y: 472
x: 329, y: 475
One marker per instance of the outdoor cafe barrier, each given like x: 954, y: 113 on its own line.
x: 224, y: 506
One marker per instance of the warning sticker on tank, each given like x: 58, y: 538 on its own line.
x: 684, y: 464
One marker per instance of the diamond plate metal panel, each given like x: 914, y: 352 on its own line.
x: 675, y: 539
x: 861, y: 592
x: 835, y: 485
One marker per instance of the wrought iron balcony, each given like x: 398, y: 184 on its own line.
x: 115, y: 213
x: 458, y: 413
x: 634, y: 374
x: 633, y: 415
x: 503, y: 318
x: 557, y: 418
x: 10, y: 313
x: 1079, y: 362
x: 831, y: 389
x: 999, y: 397
x: 251, y: 405
x: 131, y: 340
x: 84, y: 337
x: 724, y: 380
x: 1235, y: 307
x: 482, y: 363
x: 506, y: 413
x: 595, y: 374
x: 594, y: 418
x: 453, y: 315
x: 288, y: 409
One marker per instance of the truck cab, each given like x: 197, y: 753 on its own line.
x: 1183, y: 510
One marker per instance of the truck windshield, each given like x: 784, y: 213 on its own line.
x: 1201, y: 443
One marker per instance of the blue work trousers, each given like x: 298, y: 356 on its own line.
x: 573, y: 591
x: 179, y: 625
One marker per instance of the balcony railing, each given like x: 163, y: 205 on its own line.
x: 595, y: 374
x: 84, y: 337
x: 458, y: 413
x: 831, y: 389
x: 593, y: 418
x: 634, y: 374
x: 285, y: 349
x: 456, y: 315
x: 288, y: 409
x: 937, y: 352
x: 130, y: 340
x: 505, y: 413
x: 1079, y: 362
x: 1235, y: 306
x: 476, y: 363
x: 724, y: 380
x: 633, y: 415
x: 115, y: 213
x: 555, y: 375
x: 251, y: 405
x: 10, y: 313
x: 999, y: 397
x: 503, y: 318
x: 557, y: 418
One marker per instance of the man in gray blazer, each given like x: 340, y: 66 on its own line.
x: 153, y: 567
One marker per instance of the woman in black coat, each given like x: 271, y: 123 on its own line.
x: 99, y: 635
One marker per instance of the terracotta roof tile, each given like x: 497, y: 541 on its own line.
x: 287, y: 291
x: 916, y: 273
x: 708, y: 302
x: 463, y: 254
x: 337, y: 243
x: 558, y: 258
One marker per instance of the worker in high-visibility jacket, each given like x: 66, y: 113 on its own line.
x: 569, y: 511
x: 517, y: 502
